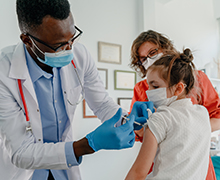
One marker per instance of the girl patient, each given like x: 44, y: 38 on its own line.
x: 178, y: 133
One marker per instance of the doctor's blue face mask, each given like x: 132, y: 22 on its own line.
x: 58, y: 59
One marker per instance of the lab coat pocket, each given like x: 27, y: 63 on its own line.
x: 74, y: 96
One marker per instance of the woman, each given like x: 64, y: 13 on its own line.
x: 146, y: 49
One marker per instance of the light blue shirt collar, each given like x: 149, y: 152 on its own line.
x: 35, y: 71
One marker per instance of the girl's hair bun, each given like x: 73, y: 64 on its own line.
x: 187, y: 55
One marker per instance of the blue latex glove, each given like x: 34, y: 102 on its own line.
x: 107, y: 136
x: 140, y: 112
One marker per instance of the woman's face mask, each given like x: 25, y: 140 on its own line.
x: 159, y: 97
x: 149, y: 61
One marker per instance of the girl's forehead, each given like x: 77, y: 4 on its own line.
x: 155, y: 71
x: 154, y: 76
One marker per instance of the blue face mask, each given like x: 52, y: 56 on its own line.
x: 57, y: 59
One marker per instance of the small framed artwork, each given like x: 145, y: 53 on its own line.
x: 125, y: 80
x: 87, y: 112
x: 125, y: 103
x: 109, y: 53
x: 104, y: 76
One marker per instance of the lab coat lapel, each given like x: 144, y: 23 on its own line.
x: 19, y: 70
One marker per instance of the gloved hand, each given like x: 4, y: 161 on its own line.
x: 107, y: 136
x: 140, y: 112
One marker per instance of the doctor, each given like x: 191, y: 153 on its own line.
x: 41, y: 80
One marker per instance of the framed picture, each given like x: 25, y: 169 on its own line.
x: 124, y: 80
x: 87, y: 112
x: 125, y: 103
x: 109, y: 53
x: 104, y: 76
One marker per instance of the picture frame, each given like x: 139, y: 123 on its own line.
x: 87, y: 112
x: 104, y: 76
x: 125, y: 103
x: 124, y: 80
x: 109, y: 52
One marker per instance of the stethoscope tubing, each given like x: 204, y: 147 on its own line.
x: 23, y: 100
x: 28, y: 128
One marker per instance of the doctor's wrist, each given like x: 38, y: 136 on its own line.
x: 82, y: 147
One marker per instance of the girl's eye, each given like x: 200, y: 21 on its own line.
x: 155, y: 87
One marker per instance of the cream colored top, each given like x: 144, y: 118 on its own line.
x: 183, y: 134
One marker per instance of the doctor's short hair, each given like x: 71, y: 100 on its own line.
x: 162, y: 42
x: 175, y: 67
x: 30, y: 13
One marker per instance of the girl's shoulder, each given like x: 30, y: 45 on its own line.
x: 180, y: 106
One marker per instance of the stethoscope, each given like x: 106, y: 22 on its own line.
x: 28, y: 127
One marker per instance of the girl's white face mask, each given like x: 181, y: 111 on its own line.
x: 159, y: 97
x: 150, y: 61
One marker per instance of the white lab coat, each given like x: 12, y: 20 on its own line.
x: 21, y: 152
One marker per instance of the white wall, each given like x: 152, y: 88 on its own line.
x: 189, y: 23
x: 216, y: 5
x: 9, y: 28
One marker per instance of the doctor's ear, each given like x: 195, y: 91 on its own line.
x: 26, y: 40
x: 179, y: 88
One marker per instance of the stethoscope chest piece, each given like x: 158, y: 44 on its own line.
x: 28, y: 127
